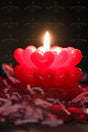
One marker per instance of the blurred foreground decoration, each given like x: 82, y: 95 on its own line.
x: 24, y: 104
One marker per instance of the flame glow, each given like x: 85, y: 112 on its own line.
x: 47, y: 42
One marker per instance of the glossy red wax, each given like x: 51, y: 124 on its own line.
x: 46, y: 69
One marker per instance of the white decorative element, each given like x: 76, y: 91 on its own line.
x: 53, y: 100
x: 6, y: 103
x: 60, y: 103
x: 17, y: 94
x: 39, y: 89
x: 52, y: 122
x: 9, y: 72
x: 7, y: 69
x: 28, y: 111
x: 63, y: 107
x: 14, y: 97
x: 13, y: 80
x: 6, y: 84
x: 82, y: 98
x: 85, y: 110
x: 23, y: 121
x: 12, y: 109
x: 42, y: 103
x: 7, y: 95
x: 30, y: 89
x: 38, y: 113
x: 6, y: 90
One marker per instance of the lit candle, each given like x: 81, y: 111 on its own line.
x: 48, y: 67
x: 47, y: 42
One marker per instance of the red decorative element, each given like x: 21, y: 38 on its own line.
x: 77, y: 113
x: 42, y: 61
x: 59, y: 112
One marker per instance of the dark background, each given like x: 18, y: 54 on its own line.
x: 24, y: 22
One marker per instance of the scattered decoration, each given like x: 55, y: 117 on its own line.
x: 23, y: 104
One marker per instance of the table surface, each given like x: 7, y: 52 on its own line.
x: 71, y: 127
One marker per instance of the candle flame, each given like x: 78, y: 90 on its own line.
x: 46, y: 42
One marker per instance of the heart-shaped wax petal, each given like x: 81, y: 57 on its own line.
x: 62, y: 58
x: 18, y: 54
x: 61, y: 76
x: 42, y: 61
x: 75, y: 75
x: 39, y: 78
x: 24, y: 75
x: 44, y: 79
x: 76, y: 56
x: 27, y: 53
x: 56, y: 49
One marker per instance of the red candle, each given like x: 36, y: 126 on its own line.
x: 48, y: 67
